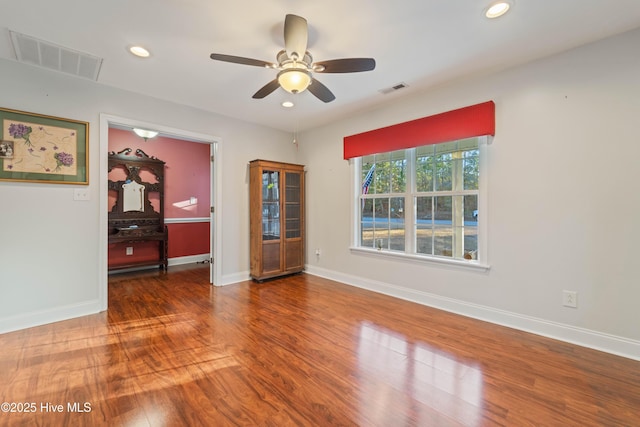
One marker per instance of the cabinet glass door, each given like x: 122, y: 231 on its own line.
x: 292, y: 205
x: 270, y: 205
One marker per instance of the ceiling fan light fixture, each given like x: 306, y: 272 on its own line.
x: 294, y: 80
x: 144, y: 133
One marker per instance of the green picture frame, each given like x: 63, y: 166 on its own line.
x: 45, y: 149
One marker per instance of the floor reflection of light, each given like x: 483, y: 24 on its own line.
x: 139, y: 420
x: 126, y: 360
x: 400, y: 378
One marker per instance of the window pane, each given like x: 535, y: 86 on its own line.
x: 382, y: 175
x: 424, y: 239
x: 366, y: 223
x: 381, y: 223
x: 443, y: 167
x: 398, y: 172
x: 424, y: 209
x: 443, y: 210
x: 471, y: 210
x: 424, y: 222
x: 470, y: 169
x: 443, y: 227
x: 471, y: 227
x: 424, y: 173
x: 368, y: 171
x: 443, y: 240
x: 397, y: 226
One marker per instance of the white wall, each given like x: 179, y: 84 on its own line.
x: 50, y: 244
x: 564, y: 206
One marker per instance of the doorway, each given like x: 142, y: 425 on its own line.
x: 109, y: 121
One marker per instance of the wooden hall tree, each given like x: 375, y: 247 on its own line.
x: 132, y: 218
x: 276, y: 192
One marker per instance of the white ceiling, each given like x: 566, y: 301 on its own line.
x: 422, y: 43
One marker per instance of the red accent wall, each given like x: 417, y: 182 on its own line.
x: 188, y: 239
x: 143, y: 251
x: 187, y: 176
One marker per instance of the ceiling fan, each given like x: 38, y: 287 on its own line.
x: 295, y: 64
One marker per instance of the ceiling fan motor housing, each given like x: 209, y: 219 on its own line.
x: 285, y: 62
x: 295, y: 75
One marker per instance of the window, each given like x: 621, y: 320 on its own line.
x: 384, y: 186
x: 422, y: 201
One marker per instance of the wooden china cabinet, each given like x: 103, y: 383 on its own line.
x: 276, y: 192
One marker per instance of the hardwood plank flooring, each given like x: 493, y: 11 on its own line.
x: 298, y: 351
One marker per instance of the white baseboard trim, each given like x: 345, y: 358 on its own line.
x: 190, y: 259
x: 579, y: 336
x: 43, y: 317
x: 230, y: 279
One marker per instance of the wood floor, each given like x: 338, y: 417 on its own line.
x: 298, y: 351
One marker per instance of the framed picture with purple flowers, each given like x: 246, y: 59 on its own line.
x: 44, y: 149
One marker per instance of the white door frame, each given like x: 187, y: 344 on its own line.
x: 213, y: 235
x: 107, y: 121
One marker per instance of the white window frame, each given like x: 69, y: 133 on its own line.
x: 483, y: 213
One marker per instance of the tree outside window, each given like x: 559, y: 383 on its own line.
x: 422, y: 200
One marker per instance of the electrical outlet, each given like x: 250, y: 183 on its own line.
x: 570, y: 299
x: 129, y: 250
x: 318, y: 252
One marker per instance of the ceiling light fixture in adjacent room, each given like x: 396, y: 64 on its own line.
x: 497, y: 9
x: 139, y: 51
x: 145, y: 134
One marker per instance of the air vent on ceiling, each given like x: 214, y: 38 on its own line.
x: 393, y: 88
x: 32, y: 51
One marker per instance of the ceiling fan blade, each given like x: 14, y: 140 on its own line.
x: 266, y: 89
x: 347, y: 65
x: 242, y: 60
x: 295, y: 36
x: 321, y: 91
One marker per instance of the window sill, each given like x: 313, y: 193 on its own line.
x: 423, y: 259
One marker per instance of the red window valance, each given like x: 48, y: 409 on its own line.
x: 467, y: 122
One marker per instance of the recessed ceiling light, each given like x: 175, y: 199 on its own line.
x: 139, y: 51
x: 287, y: 104
x: 497, y: 9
